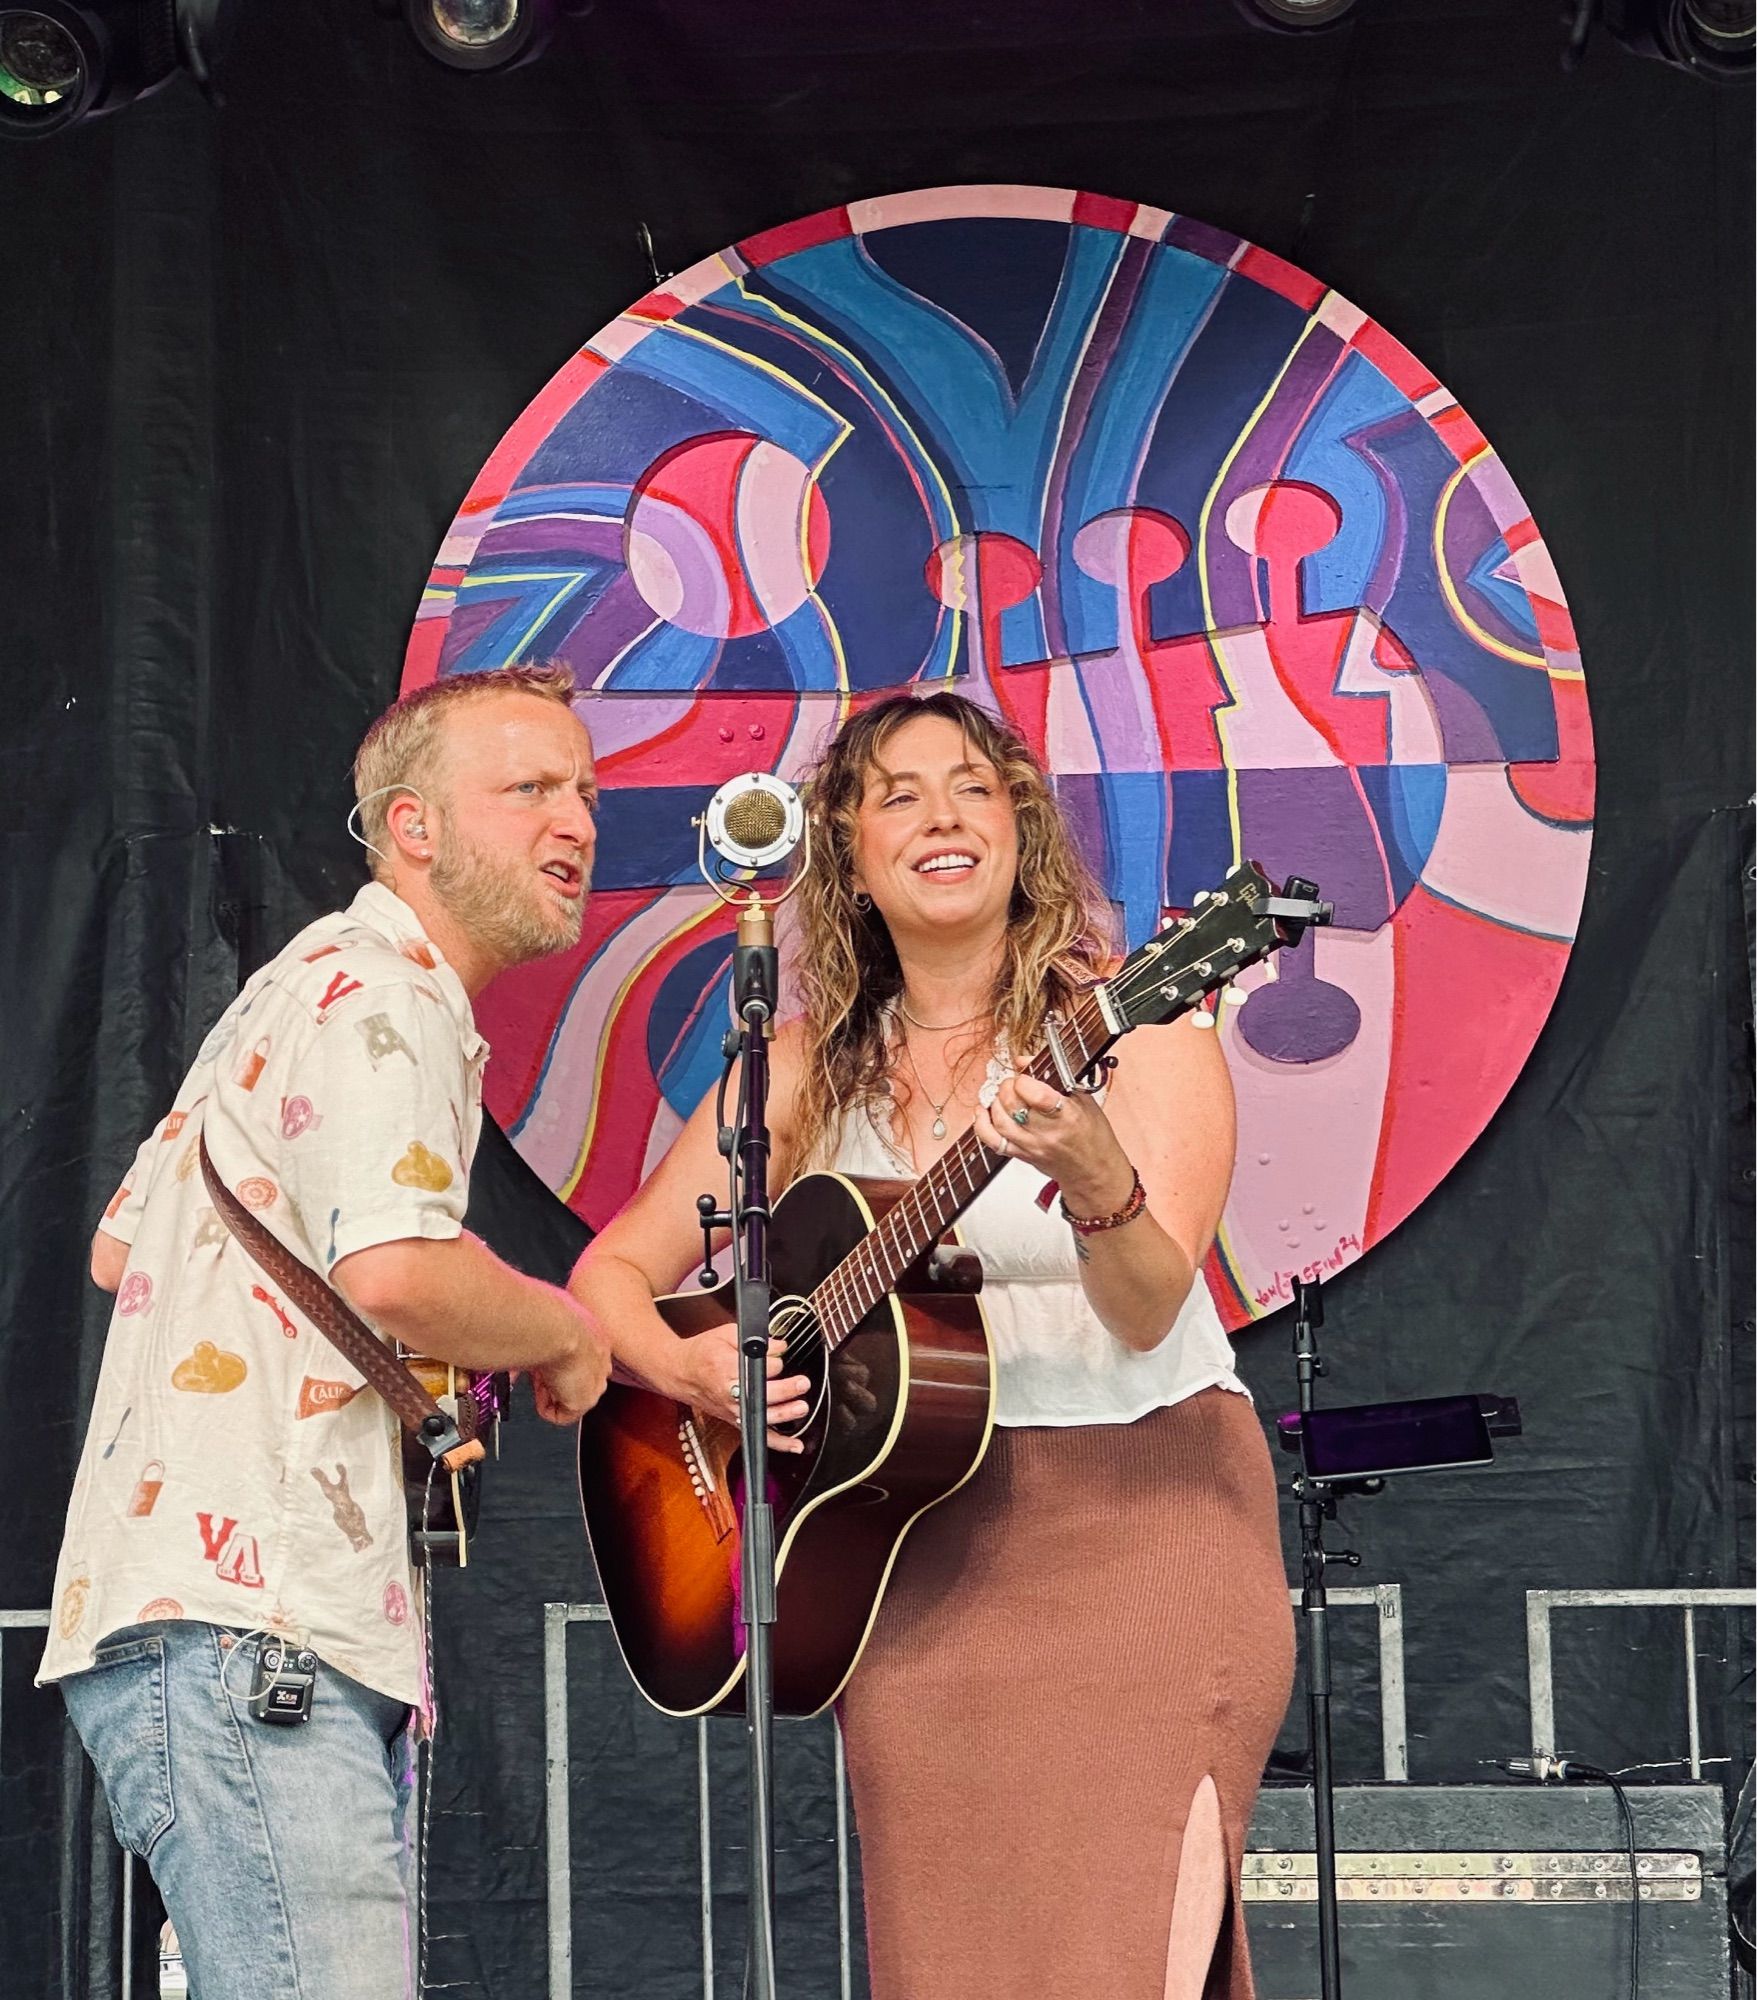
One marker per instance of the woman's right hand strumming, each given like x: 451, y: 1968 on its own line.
x: 657, y: 1237
x: 709, y: 1377
x: 702, y: 1370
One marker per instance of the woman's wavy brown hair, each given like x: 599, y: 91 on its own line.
x: 1059, y: 935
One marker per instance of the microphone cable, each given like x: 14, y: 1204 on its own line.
x: 1571, y: 1770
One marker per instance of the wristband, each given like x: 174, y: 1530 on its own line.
x: 1093, y: 1225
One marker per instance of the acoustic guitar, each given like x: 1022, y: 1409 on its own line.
x: 878, y: 1305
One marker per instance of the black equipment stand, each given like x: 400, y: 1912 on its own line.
x: 754, y: 981
x: 1359, y: 1446
x: 1317, y: 1503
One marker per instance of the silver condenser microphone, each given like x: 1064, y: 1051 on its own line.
x: 754, y: 820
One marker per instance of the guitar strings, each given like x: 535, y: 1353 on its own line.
x: 838, y: 1297
x: 841, y: 1295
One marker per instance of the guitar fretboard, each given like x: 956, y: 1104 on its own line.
x: 922, y: 1215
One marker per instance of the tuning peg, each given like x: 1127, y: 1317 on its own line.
x: 1235, y: 996
x: 1203, y: 1017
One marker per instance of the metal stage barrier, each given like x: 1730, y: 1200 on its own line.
x: 1540, y: 1658
x: 1439, y: 1872
x: 1384, y: 1599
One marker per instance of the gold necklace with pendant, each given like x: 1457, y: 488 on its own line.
x: 938, y: 1110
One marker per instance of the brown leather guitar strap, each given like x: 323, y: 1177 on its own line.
x: 453, y: 1443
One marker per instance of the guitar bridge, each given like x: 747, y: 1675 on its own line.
x: 708, y: 1485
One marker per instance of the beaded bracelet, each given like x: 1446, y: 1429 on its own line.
x: 1093, y: 1225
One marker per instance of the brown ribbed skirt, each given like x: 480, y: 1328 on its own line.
x: 1070, y: 1644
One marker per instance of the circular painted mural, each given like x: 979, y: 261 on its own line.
x: 1242, y: 571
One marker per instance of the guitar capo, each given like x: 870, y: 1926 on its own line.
x: 1086, y: 1080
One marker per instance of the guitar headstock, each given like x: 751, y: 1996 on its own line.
x: 1241, y: 923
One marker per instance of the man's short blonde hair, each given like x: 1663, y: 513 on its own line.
x: 404, y: 748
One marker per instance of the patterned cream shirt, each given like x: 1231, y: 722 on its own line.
x: 237, y: 1469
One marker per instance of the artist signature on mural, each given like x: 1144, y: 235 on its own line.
x: 1280, y: 1288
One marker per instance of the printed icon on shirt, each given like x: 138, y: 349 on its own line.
x: 174, y: 1124
x: 298, y: 1116
x: 264, y: 1296
x: 219, y: 1039
x: 419, y: 952
x: 335, y: 993
x: 350, y: 1515
x: 234, y: 1556
x: 135, y: 1295
x: 322, y: 951
x: 211, y: 1232
x: 418, y: 1168
x: 396, y: 1604
x: 248, y: 1074
x: 118, y: 1198
x: 186, y: 1165
x: 382, y: 1040
x: 147, y: 1488
x: 71, y: 1613
x: 209, y: 1371
x: 316, y: 1396
x: 258, y: 1192
x: 158, y: 1607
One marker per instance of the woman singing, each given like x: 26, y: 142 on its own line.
x: 1057, y: 1728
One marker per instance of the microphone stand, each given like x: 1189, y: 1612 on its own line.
x: 1317, y: 1502
x: 751, y: 840
x: 754, y: 981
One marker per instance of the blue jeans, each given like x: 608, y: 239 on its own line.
x: 284, y: 1852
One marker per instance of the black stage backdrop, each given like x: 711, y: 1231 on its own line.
x: 251, y: 358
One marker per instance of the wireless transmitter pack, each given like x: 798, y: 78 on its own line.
x: 285, y: 1678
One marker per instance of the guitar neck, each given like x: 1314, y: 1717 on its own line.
x: 923, y: 1214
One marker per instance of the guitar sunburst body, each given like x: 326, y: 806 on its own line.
x: 900, y: 1416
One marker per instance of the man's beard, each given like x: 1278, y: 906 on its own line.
x: 500, y: 906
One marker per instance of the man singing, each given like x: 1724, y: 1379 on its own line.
x: 239, y: 1480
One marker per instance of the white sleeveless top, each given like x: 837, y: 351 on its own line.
x: 1056, y: 1363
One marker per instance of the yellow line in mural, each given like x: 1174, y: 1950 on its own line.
x: 1238, y: 445
x: 746, y: 359
x: 566, y: 1190
x: 880, y: 395
x: 844, y: 431
x: 570, y: 582
x: 1228, y: 1255
x: 1482, y: 638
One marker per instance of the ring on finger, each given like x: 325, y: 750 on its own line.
x: 1021, y: 1116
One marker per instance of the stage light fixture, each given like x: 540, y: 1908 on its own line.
x: 1709, y: 38
x: 1294, y: 17
x: 61, y: 62
x: 480, y: 34
x: 1713, y: 39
